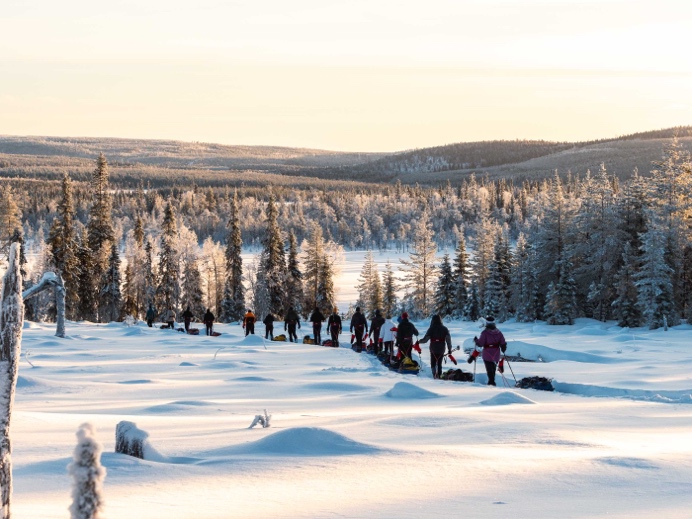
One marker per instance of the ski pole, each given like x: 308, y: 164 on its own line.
x: 510, y: 367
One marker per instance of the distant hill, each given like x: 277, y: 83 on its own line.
x: 163, y: 162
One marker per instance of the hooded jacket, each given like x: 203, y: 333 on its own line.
x: 490, y: 340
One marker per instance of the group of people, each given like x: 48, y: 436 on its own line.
x: 169, y: 317
x: 384, y: 334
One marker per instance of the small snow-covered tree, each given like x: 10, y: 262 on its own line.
x: 88, y: 475
x: 192, y: 295
x: 389, y: 299
x: 653, y: 281
x: 472, y: 310
x: 561, y: 305
x: 625, y: 305
x: 445, y: 304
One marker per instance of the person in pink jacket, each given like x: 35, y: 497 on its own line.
x: 493, y: 343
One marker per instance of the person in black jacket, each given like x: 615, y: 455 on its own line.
x: 404, y: 335
x: 334, y: 326
x: 316, y: 319
x: 438, y: 335
x: 187, y: 318
x: 359, y: 326
x: 209, y: 321
x: 375, y: 327
x: 290, y: 322
x: 269, y: 326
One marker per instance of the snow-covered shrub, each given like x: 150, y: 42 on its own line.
x: 88, y: 476
x: 130, y: 439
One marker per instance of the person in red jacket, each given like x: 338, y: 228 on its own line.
x: 249, y: 323
x: 493, y: 343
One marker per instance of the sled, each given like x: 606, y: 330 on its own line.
x: 457, y: 375
x: 539, y: 383
x: 193, y: 331
x: 329, y: 344
x: 279, y: 338
x: 215, y: 334
x: 308, y: 340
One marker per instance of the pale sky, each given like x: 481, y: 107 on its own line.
x: 361, y: 75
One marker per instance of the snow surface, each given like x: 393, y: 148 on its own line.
x: 349, y: 438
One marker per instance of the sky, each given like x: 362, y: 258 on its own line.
x: 352, y: 75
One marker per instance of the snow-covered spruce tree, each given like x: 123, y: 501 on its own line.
x: 420, y: 269
x: 625, y: 307
x: 88, y: 475
x: 192, y: 295
x: 318, y: 272
x: 233, y: 303
x: 523, y: 284
x: 461, y: 274
x: 100, y: 225
x: 389, y: 299
x: 472, y: 310
x: 168, y: 290
x: 294, y: 277
x: 150, y: 281
x: 445, y: 304
x: 654, y: 280
x: 561, y: 304
x: 11, y: 323
x: 366, y: 286
x: 10, y: 219
x: 86, y: 284
x: 497, y: 289
x: 138, y: 232
x: 110, y: 300
x: 64, y: 247
x: 376, y: 295
x: 129, y: 294
x: 272, y: 271
x: 485, y: 240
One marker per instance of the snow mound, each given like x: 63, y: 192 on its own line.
x: 507, y: 398
x: 29, y: 325
x: 306, y: 441
x: 188, y: 364
x: 134, y: 331
x: 340, y: 387
x: 251, y: 379
x: 545, y: 354
x: 180, y: 406
x: 252, y: 340
x: 138, y: 381
x: 407, y: 391
x: 27, y: 382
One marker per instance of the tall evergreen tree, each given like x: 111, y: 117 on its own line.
x: 110, y: 300
x: 369, y: 287
x: 625, y: 305
x: 150, y: 281
x: 523, y: 285
x: 10, y: 218
x: 654, y: 280
x: 472, y: 310
x: 64, y: 247
x: 319, y: 272
x: 168, y: 290
x: 420, y: 269
x: 272, y: 269
x: 233, y: 303
x: 561, y: 304
x: 294, y: 278
x: 445, y: 303
x: 460, y: 273
x: 87, y: 285
x: 192, y: 295
x: 100, y: 224
x: 389, y: 299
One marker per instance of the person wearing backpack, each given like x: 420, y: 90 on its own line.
x: 493, y: 343
x: 375, y: 328
x: 290, y: 322
x: 359, y: 326
x: 209, y: 321
x: 316, y: 319
x: 438, y: 335
x: 169, y: 318
x: 389, y: 335
x: 151, y: 315
x: 249, y: 323
x: 334, y: 326
x: 405, y: 332
x: 269, y: 326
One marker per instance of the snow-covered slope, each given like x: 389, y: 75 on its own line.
x: 352, y: 439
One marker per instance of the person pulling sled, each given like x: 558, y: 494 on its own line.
x: 438, y: 335
x: 405, y: 332
x: 290, y: 322
x: 209, y: 321
x: 249, y: 323
x: 493, y: 343
x: 334, y: 326
x: 316, y: 319
x: 359, y: 326
x: 269, y: 326
x: 375, y: 331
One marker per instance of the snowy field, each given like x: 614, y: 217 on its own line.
x: 351, y: 439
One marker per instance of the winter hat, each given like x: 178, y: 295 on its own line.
x: 404, y: 315
x: 357, y: 308
x: 490, y: 321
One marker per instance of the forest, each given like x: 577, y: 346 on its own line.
x: 555, y: 249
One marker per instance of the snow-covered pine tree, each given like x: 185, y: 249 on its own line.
x: 294, y: 278
x: 523, y: 284
x: 420, y: 269
x: 486, y: 237
x: 318, y: 272
x: 64, y: 247
x: 445, y: 304
x: 100, y: 225
x: 272, y: 270
x: 376, y: 296
x: 168, y: 290
x: 561, y: 304
x: 389, y: 299
x: 233, y: 303
x: 139, y: 232
x: 625, y: 306
x: 366, y: 284
x: 10, y: 218
x: 88, y: 475
x: 129, y: 293
x: 11, y: 323
x: 460, y: 273
x: 110, y: 300
x: 192, y: 295
x: 654, y: 279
